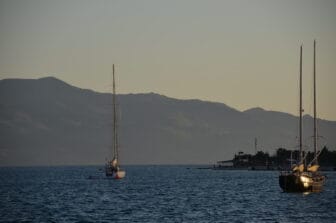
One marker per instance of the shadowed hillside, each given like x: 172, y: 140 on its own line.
x: 48, y: 122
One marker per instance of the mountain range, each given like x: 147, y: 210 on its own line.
x: 49, y: 122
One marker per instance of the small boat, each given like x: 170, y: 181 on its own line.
x: 304, y: 178
x: 112, y: 167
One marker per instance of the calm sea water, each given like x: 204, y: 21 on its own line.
x: 157, y: 194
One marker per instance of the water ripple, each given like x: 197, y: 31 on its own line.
x: 156, y: 194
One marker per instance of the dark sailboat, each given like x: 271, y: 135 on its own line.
x: 302, y: 178
x: 112, y: 167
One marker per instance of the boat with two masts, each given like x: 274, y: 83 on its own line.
x: 302, y: 177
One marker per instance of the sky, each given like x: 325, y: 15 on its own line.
x: 244, y: 53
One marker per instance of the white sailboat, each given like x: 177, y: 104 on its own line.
x: 112, y: 167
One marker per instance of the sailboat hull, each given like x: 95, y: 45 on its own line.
x: 114, y: 172
x: 120, y: 174
x: 298, y: 182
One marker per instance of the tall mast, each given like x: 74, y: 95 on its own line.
x: 115, y: 136
x: 315, y: 124
x: 300, y: 109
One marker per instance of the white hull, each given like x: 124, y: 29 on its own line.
x: 119, y: 174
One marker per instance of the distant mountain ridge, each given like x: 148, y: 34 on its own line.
x: 49, y: 122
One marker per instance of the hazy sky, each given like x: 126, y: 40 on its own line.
x: 242, y: 53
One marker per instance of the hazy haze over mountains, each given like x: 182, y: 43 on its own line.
x: 48, y: 122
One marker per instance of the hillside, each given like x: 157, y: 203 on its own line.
x: 49, y: 122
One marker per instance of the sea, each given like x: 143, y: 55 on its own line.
x: 157, y: 194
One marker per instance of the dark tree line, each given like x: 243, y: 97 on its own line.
x: 283, y: 156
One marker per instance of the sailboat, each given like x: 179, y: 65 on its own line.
x: 304, y: 178
x: 112, y: 167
